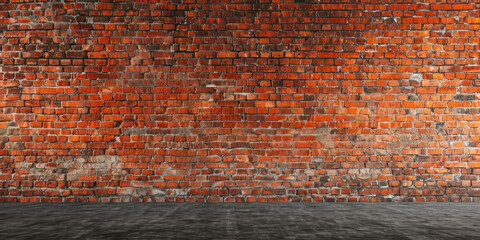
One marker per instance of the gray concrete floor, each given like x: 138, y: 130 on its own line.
x: 240, y: 221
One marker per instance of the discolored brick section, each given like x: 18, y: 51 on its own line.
x: 239, y: 101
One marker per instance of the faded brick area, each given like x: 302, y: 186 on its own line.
x: 239, y: 101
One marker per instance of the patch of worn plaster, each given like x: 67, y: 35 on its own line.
x: 135, y: 131
x: 364, y: 173
x: 416, y: 76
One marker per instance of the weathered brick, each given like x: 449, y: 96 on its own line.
x: 356, y: 102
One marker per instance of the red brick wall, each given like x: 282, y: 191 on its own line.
x: 255, y: 100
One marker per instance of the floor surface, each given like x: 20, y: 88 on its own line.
x: 240, y: 221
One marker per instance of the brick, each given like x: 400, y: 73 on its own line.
x: 474, y: 165
x: 14, y: 34
x: 441, y: 6
x: 226, y: 54
x: 447, y: 90
x: 470, y: 69
x: 462, y: 6
x: 262, y: 104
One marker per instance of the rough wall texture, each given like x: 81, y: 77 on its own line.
x: 254, y: 100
